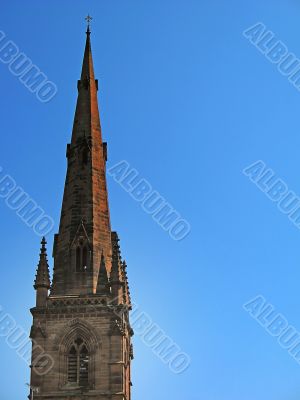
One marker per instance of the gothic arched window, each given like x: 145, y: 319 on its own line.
x: 78, y: 363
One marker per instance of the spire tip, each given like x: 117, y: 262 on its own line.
x: 88, y: 20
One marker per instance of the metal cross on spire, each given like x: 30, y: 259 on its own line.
x: 88, y: 20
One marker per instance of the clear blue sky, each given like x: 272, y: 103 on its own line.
x: 189, y: 103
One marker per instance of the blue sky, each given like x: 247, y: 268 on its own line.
x: 189, y: 103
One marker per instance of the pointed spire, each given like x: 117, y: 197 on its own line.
x: 102, y: 286
x: 87, y: 64
x: 85, y: 195
x: 42, y: 278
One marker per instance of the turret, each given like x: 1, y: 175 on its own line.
x: 42, y: 278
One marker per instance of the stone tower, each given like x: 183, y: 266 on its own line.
x: 81, y: 332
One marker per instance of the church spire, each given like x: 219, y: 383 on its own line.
x: 84, y: 230
x: 42, y: 278
x: 84, y: 322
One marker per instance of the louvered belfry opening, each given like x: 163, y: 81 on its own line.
x: 78, y: 363
x: 72, y: 365
x: 83, y: 366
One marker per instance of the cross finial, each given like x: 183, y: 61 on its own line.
x: 43, y: 243
x: 88, y: 20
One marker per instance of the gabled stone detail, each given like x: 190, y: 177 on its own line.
x: 80, y: 236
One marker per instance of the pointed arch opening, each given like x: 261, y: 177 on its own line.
x: 78, y: 346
